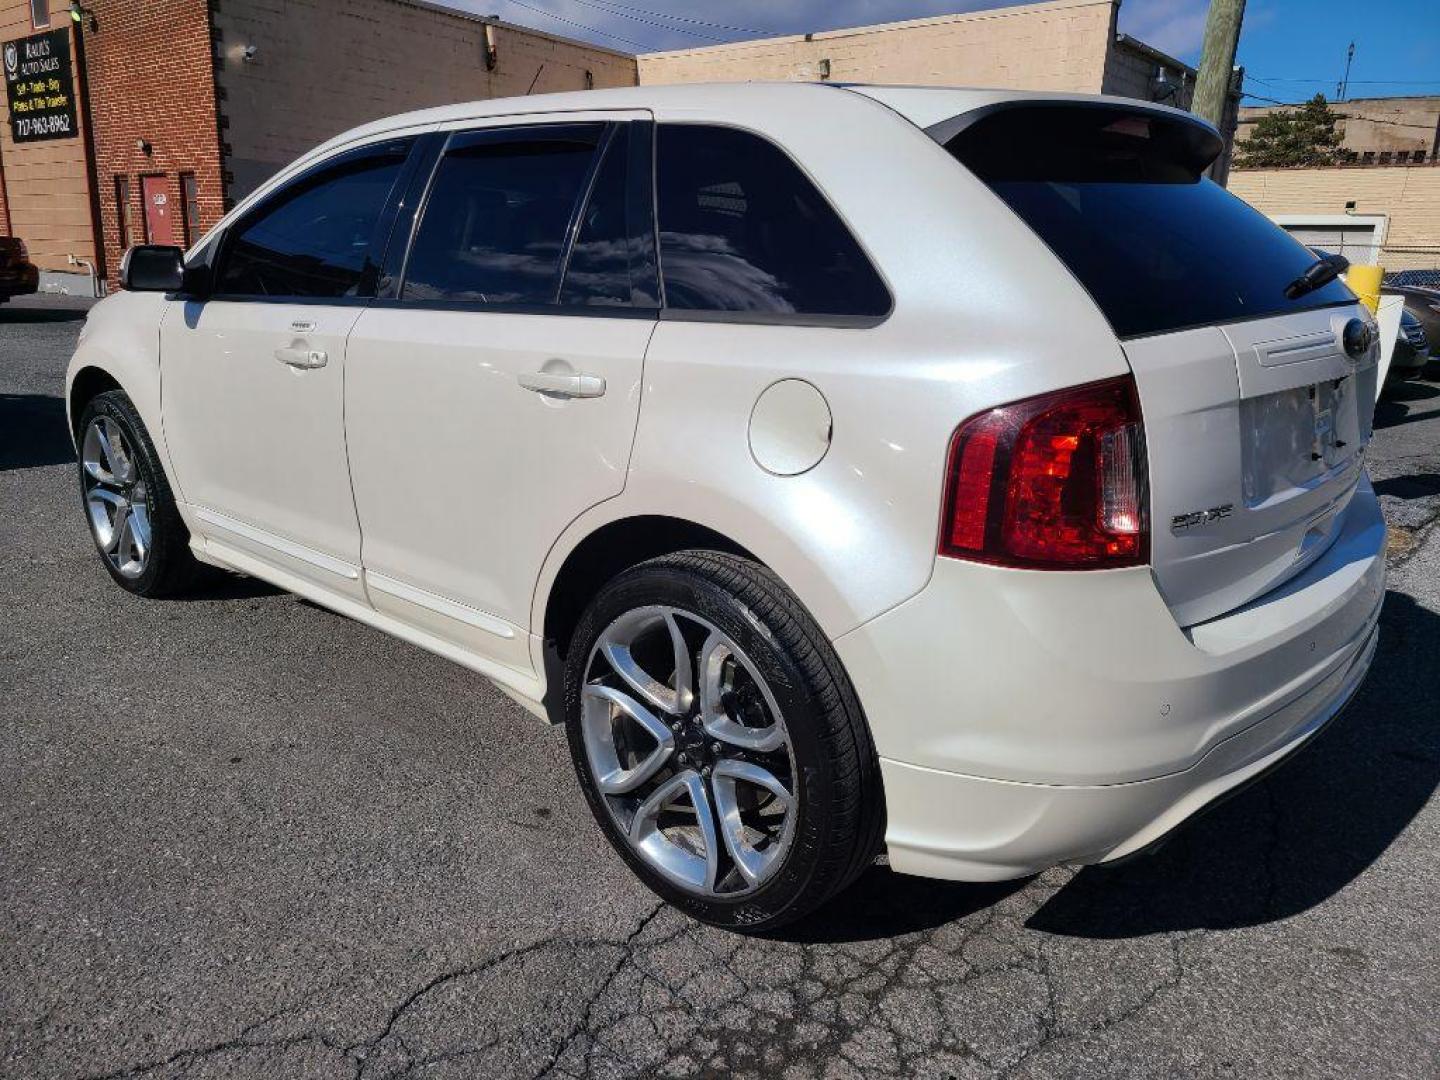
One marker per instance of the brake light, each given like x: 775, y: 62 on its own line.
x: 1051, y: 482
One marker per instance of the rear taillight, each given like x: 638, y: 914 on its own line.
x: 1051, y: 482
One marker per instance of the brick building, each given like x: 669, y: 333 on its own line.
x: 126, y: 121
x: 165, y: 112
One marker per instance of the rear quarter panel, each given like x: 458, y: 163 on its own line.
x: 857, y: 533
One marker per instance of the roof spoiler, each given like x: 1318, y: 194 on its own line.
x: 1029, y: 135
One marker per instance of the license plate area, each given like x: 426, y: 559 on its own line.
x: 1293, y: 440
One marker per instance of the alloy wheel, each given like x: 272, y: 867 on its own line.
x: 116, y: 497
x: 689, y: 751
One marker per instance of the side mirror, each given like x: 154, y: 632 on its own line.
x: 153, y: 268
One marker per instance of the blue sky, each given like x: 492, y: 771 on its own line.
x: 1290, y: 48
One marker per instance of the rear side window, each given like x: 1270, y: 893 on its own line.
x: 498, y: 216
x: 315, y: 238
x: 1120, y: 198
x: 742, y: 229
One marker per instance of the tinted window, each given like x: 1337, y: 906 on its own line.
x: 612, y: 261
x: 1121, y: 200
x: 498, y: 214
x: 316, y: 237
x: 743, y: 229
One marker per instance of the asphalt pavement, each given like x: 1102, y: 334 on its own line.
x: 241, y: 836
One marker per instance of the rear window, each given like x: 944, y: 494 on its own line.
x: 1121, y: 200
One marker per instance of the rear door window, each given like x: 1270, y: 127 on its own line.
x: 1120, y: 198
x: 612, y: 262
x: 742, y: 229
x: 499, y: 213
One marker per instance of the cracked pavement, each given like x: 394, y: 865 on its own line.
x: 243, y: 837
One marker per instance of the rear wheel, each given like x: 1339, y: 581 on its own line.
x: 127, y: 501
x: 719, y: 743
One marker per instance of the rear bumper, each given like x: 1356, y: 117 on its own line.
x: 1021, y: 732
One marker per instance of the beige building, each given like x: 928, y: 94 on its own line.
x: 1389, y: 214
x: 292, y: 75
x: 1068, y: 45
x: 1375, y: 131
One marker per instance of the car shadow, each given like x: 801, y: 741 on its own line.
x: 1390, y: 412
x: 1274, y: 850
x: 33, y: 315
x: 882, y: 904
x: 33, y: 432
x: 1415, y: 486
x: 1411, y: 390
x: 216, y: 585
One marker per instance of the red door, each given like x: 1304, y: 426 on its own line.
x: 159, y: 223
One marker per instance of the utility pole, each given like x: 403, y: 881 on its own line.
x: 1217, y: 60
x: 1345, y: 83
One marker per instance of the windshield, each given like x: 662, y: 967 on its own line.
x: 1120, y: 198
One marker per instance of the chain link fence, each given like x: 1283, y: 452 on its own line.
x: 1411, y: 265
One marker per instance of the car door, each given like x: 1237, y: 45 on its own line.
x: 253, y: 375
x: 492, y: 391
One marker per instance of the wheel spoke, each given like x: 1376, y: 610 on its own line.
x: 676, y: 860
x: 95, y: 456
x: 139, y: 522
x: 752, y: 862
x: 117, y: 453
x: 719, y: 659
x: 103, y: 505
x: 599, y: 706
x: 616, y: 646
x: 684, y: 692
x: 120, y: 531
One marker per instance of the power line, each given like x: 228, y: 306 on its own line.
x: 580, y: 25
x: 649, y: 22
x: 685, y: 19
x: 1353, y: 82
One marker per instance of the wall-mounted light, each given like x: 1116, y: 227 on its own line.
x: 144, y: 147
x: 249, y: 53
x: 492, y: 54
x: 81, y: 15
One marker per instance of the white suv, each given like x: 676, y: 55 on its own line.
x: 952, y: 471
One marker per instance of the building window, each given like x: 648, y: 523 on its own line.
x: 190, y: 207
x: 39, y: 14
x: 122, y: 210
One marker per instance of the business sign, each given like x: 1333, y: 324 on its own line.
x: 38, y: 87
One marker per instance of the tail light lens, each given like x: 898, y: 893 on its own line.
x: 1051, y: 482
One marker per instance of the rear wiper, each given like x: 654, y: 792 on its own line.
x: 1321, y: 272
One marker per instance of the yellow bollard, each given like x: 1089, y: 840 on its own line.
x: 1364, y: 282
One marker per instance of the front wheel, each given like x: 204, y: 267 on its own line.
x: 719, y: 743
x: 133, y: 520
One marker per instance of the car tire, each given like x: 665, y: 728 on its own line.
x: 127, y: 501
x: 790, y: 825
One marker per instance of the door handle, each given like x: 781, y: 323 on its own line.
x: 570, y: 386
x: 299, y: 356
